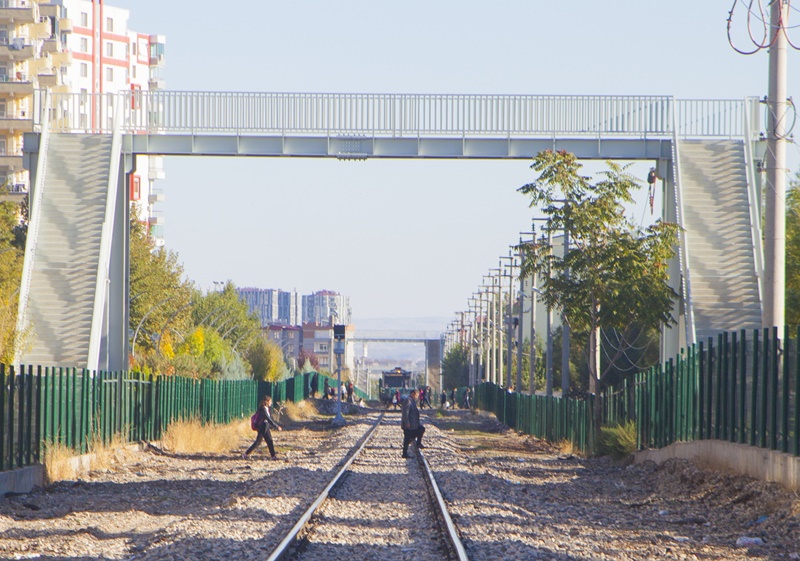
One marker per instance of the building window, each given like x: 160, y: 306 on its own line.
x: 134, y: 71
x: 84, y: 70
x: 84, y: 19
x: 110, y: 49
x: 84, y: 45
x: 133, y: 45
x: 109, y: 74
x: 136, y: 187
x: 109, y: 24
x: 2, y: 109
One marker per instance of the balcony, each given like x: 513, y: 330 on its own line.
x: 16, y: 125
x: 15, y: 85
x: 156, y: 197
x: 41, y: 29
x: 65, y: 25
x: 47, y: 80
x: 18, y: 11
x: 156, y: 218
x: 61, y: 58
x: 14, y: 50
x: 156, y: 167
x: 11, y: 162
x: 51, y: 45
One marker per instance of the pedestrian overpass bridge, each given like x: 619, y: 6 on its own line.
x: 74, y: 293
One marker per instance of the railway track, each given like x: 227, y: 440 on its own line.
x: 377, y: 506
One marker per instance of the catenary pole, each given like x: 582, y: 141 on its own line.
x: 775, y: 218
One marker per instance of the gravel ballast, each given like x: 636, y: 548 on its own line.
x: 511, y: 497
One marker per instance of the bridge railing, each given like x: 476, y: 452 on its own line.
x: 397, y: 115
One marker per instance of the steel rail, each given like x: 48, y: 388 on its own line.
x: 291, y: 537
x: 449, y: 530
x: 452, y: 533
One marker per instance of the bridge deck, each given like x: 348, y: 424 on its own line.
x: 358, y: 126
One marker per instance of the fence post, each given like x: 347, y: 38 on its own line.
x: 21, y: 416
x: 797, y: 393
x: 785, y: 401
x: 701, y: 383
x: 743, y: 392
x: 762, y: 430
x: 3, y: 423
x: 734, y: 364
x: 37, y: 428
x: 754, y: 396
x: 773, y: 428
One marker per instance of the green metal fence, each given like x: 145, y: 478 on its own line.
x: 551, y: 418
x: 740, y: 388
x: 78, y: 407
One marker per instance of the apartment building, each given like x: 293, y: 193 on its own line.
x: 325, y: 306
x: 107, y: 57
x: 289, y: 338
x: 318, y: 339
x: 273, y: 307
x: 79, y: 47
x: 32, y: 56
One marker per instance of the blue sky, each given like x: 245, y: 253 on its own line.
x: 406, y: 238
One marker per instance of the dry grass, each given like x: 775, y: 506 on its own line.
x: 57, y: 462
x: 300, y: 411
x: 104, y: 456
x: 565, y: 447
x: 190, y: 437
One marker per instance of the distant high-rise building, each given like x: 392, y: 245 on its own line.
x: 273, y: 307
x: 324, y: 305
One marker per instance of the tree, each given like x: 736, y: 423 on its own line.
x: 227, y: 314
x: 160, y: 298
x: 793, y: 253
x: 455, y: 366
x: 614, y: 274
x: 12, y: 252
x: 266, y: 360
x: 307, y: 361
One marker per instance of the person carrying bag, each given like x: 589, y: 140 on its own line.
x: 261, y: 422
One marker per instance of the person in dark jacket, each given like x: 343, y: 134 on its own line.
x: 412, y: 428
x: 326, y: 390
x: 465, y: 403
x: 264, y: 432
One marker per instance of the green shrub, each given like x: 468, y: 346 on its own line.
x: 618, y: 441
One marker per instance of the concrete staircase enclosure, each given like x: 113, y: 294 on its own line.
x: 722, y: 269
x: 64, y: 268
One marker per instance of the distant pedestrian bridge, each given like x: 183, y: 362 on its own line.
x: 389, y: 336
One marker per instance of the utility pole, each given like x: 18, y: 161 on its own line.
x: 521, y: 300
x: 775, y: 218
x: 507, y: 323
x: 776, y: 41
x: 565, y: 330
x: 549, y: 364
x: 533, y: 336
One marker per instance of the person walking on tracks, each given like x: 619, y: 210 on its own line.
x: 263, y: 423
x: 412, y: 428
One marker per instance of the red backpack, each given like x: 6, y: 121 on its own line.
x: 255, y: 420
